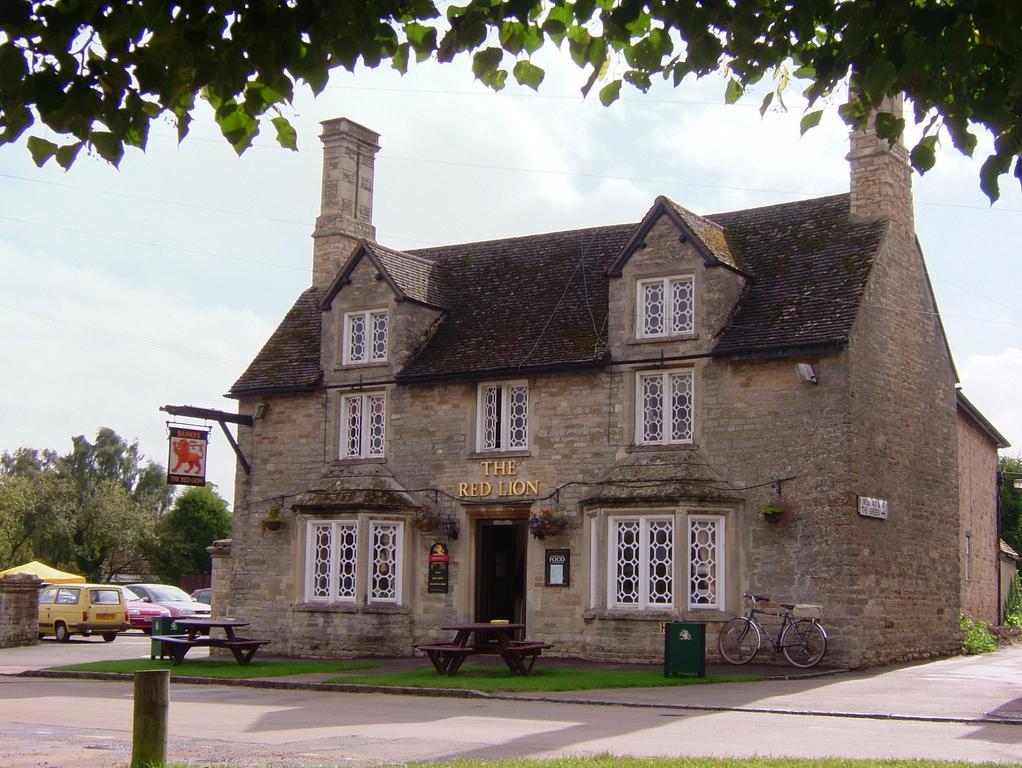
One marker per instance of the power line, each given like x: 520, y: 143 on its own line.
x: 162, y: 201
x: 76, y: 323
x: 150, y: 244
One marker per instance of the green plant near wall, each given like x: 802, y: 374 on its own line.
x: 1013, y: 604
x: 976, y: 637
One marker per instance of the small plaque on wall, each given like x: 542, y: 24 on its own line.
x: 870, y: 507
x: 558, y: 567
x: 439, y: 568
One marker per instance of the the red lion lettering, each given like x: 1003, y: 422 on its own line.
x: 186, y: 457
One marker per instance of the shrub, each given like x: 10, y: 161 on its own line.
x: 1013, y: 603
x: 976, y: 637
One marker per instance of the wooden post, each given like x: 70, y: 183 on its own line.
x: 149, y: 727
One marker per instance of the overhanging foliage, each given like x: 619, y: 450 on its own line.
x: 97, y: 72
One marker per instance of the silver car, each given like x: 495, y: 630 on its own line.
x: 177, y: 601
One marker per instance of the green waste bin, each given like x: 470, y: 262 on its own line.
x: 685, y: 649
x: 163, y: 625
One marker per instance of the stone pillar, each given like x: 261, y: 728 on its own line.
x: 881, y: 178
x: 19, y: 610
x: 346, y: 209
x: 220, y: 582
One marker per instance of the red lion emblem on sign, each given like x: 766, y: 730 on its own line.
x: 186, y: 457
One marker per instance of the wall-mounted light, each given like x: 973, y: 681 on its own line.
x: 805, y: 373
x: 261, y: 409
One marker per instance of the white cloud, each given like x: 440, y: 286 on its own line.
x: 86, y: 348
x: 991, y: 383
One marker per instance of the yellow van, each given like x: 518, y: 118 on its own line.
x: 81, y: 609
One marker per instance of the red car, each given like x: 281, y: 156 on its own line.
x: 140, y: 613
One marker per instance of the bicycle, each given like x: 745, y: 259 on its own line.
x: 800, y: 636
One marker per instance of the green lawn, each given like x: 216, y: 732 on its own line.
x: 223, y: 668
x: 500, y: 679
x: 610, y: 761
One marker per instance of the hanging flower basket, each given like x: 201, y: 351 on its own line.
x: 547, y: 522
x: 775, y: 509
x: 272, y: 521
x: 424, y: 519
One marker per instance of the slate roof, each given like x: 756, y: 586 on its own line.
x: 521, y: 303
x: 358, y: 486
x: 528, y: 303
x: 810, y: 262
x: 290, y: 359
x: 661, y: 476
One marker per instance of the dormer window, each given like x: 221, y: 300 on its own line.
x: 503, y: 416
x: 365, y: 337
x: 665, y: 307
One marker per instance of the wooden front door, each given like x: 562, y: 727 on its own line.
x: 500, y: 569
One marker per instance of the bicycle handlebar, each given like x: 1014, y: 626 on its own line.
x: 756, y: 598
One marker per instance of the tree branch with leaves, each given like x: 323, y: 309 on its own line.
x: 98, y: 72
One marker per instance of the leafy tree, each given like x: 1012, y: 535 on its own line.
x: 1011, y: 501
x: 97, y: 72
x: 199, y: 518
x: 91, y: 511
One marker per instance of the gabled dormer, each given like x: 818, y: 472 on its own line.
x: 379, y: 309
x: 672, y: 286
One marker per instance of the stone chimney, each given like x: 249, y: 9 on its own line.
x: 346, y: 210
x: 881, y: 179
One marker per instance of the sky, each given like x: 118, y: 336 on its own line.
x: 156, y: 283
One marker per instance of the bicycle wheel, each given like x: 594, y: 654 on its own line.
x: 739, y: 641
x: 804, y: 642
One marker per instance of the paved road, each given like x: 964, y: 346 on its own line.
x: 87, y: 724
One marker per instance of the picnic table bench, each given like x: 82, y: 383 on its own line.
x: 243, y: 648
x: 519, y: 655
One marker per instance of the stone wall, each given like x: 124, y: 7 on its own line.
x: 978, y: 540
x: 901, y: 575
x: 19, y: 610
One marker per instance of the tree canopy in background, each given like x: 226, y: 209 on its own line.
x: 98, y: 72
x: 199, y: 518
x: 1011, y: 501
x: 92, y: 511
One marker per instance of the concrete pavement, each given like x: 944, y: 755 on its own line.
x: 965, y: 708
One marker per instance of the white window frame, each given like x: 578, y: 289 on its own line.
x: 335, y: 560
x: 365, y: 427
x: 504, y: 437
x: 364, y: 561
x: 398, y: 527
x: 720, y: 566
x: 612, y: 563
x: 667, y: 284
x: 368, y: 356
x: 667, y: 429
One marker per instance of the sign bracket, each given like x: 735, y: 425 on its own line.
x: 221, y: 418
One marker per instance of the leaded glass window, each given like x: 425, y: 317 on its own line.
x: 331, y: 561
x: 363, y: 425
x: 385, y: 560
x: 365, y: 337
x: 664, y: 408
x: 706, y: 560
x: 665, y: 307
x: 641, y: 562
x: 503, y: 416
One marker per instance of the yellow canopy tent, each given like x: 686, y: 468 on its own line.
x: 45, y: 572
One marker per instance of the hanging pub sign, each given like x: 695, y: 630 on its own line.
x: 439, y: 567
x: 187, y: 462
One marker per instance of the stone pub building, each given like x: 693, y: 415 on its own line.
x: 656, y: 382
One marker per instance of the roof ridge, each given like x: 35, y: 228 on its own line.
x: 396, y: 252
x: 759, y: 208
x: 533, y: 236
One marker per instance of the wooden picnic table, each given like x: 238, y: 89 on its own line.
x: 243, y: 648
x: 487, y: 638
